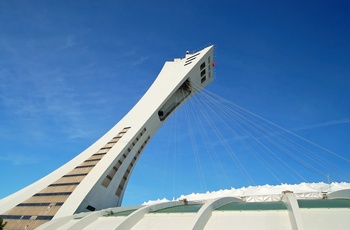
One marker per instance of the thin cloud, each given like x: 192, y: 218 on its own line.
x: 46, y: 98
x: 324, y: 124
x: 20, y: 159
x: 70, y: 42
x: 139, y: 61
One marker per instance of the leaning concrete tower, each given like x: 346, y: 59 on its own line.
x: 97, y: 177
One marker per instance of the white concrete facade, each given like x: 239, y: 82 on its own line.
x: 96, y: 179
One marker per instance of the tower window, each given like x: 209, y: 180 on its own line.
x: 209, y: 66
x: 90, y: 208
x: 203, y: 73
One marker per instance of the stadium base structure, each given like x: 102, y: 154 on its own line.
x: 288, y: 210
x: 96, y: 179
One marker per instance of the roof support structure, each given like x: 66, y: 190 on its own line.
x: 204, y: 214
x: 291, y: 202
x: 136, y: 216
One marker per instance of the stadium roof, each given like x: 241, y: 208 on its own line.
x: 281, y: 211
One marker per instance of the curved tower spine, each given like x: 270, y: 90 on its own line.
x: 97, y: 177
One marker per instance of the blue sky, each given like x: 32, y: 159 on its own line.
x: 70, y: 70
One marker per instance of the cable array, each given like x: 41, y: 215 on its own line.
x: 232, y: 147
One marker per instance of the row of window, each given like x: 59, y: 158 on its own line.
x: 99, y: 154
x: 106, y: 181
x: 103, y: 151
x: 40, y: 204
x: 60, y: 190
x: 26, y: 217
x: 85, y: 166
x: 190, y: 59
x: 64, y: 184
x: 209, y: 67
x: 74, y: 175
x: 127, y: 172
x: 203, y: 71
x: 53, y: 194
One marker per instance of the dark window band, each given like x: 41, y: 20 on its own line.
x: 39, y: 204
x: 190, y: 59
x: 99, y: 154
x: 21, y: 217
x: 105, y: 148
x: 109, y: 177
x: 73, y: 175
x: 64, y: 184
x: 193, y: 55
x: 53, y: 194
x: 84, y: 166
